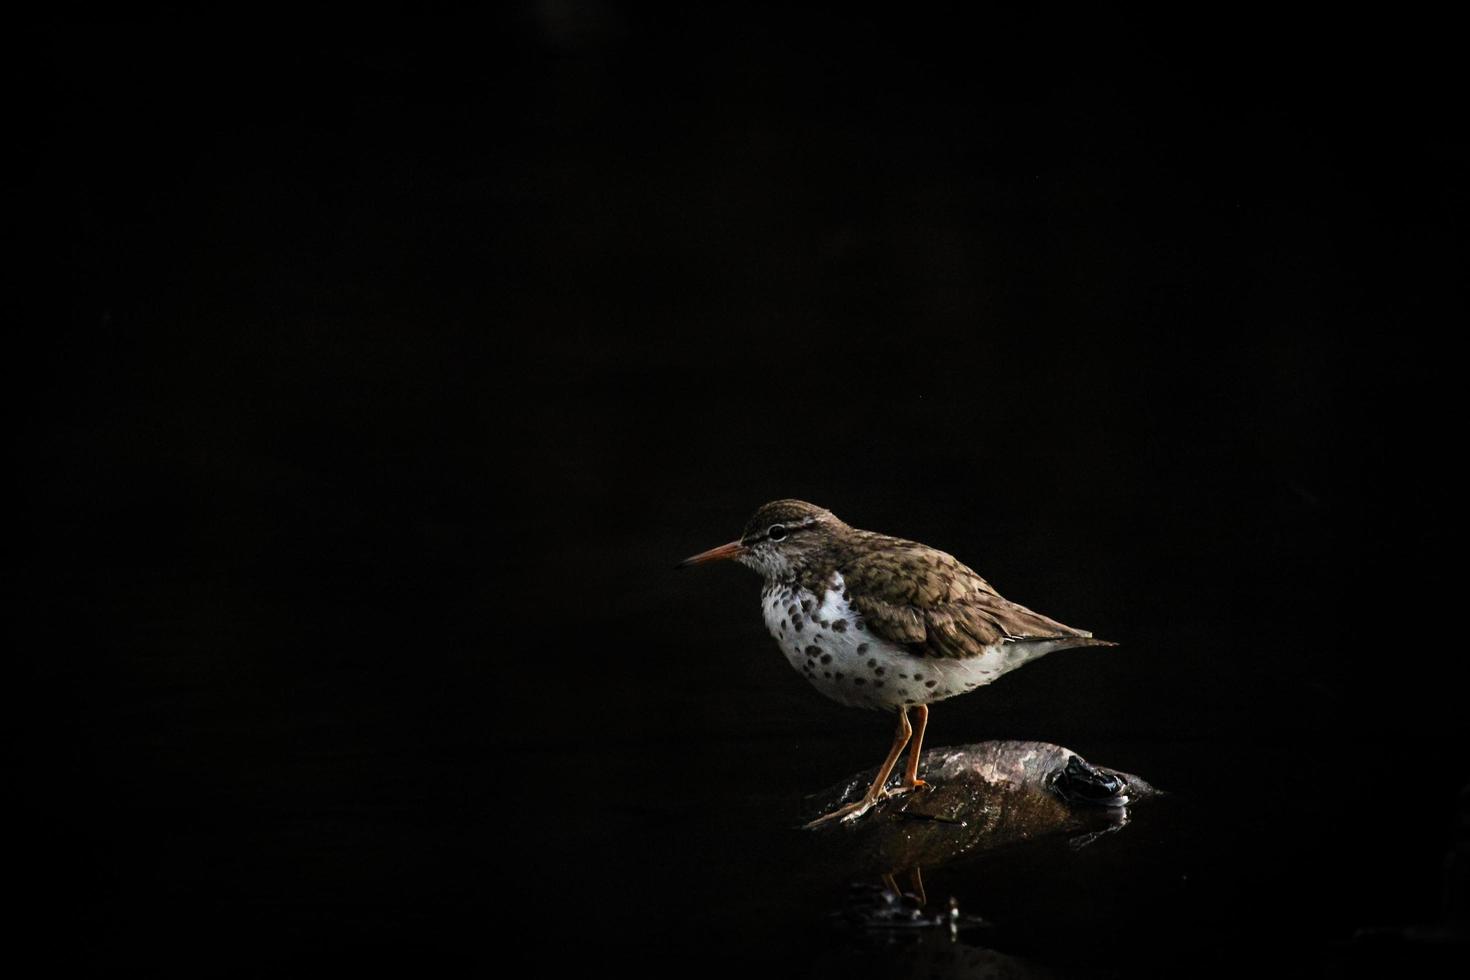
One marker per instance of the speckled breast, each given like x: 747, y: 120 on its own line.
x: 825, y: 639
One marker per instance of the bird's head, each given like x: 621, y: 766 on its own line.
x: 781, y: 535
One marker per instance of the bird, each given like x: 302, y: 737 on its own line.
x: 883, y: 623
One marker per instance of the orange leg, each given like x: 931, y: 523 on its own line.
x: 911, y: 778
x: 876, y: 791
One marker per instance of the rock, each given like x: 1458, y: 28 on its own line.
x: 981, y: 797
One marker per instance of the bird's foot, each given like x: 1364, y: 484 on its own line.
x: 852, y: 811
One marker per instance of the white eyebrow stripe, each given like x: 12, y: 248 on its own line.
x: 799, y: 525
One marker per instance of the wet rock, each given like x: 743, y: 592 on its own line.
x: 981, y: 797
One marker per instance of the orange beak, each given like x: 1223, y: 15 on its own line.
x: 723, y: 553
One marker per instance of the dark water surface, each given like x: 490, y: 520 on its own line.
x: 298, y: 807
x: 391, y: 367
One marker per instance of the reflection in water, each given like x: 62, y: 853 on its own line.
x: 890, y: 912
x: 916, y: 886
x: 1117, y: 820
x: 907, y: 937
x: 980, y: 798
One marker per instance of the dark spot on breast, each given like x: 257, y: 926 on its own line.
x: 871, y: 663
x: 860, y: 625
x: 826, y: 658
x: 918, y: 676
x: 822, y: 623
x: 878, y: 670
x: 837, y: 676
x: 877, y: 683
x: 791, y: 609
x: 840, y: 626
x: 930, y: 683
x: 859, y: 681
x: 806, y: 605
x: 797, y: 624
x: 846, y: 596
x: 862, y: 649
x: 812, y: 651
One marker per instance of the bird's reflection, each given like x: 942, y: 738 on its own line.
x: 980, y: 798
x: 890, y: 912
x: 916, y: 886
x: 902, y: 933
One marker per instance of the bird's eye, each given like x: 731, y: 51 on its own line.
x: 776, y: 533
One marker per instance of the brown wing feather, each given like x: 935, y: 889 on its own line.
x: 927, y: 600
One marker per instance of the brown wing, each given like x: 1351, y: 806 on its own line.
x: 920, y: 597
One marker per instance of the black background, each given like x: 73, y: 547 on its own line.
x: 384, y: 370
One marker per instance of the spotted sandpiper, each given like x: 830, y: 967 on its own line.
x: 882, y: 623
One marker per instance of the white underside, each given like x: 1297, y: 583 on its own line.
x: 823, y: 640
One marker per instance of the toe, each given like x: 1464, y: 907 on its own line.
x: 845, y: 813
